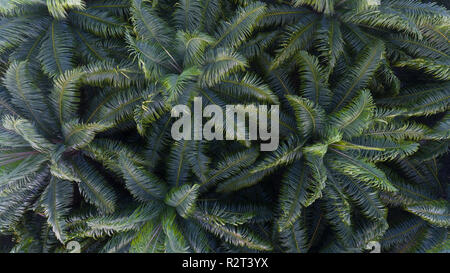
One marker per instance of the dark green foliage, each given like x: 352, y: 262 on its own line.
x: 86, y: 152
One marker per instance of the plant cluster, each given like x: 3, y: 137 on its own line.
x: 86, y: 152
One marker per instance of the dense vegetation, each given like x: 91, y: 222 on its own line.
x: 86, y: 151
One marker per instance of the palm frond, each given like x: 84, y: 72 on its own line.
x: 142, y: 184
x: 57, y: 49
x: 56, y: 200
x: 239, y: 28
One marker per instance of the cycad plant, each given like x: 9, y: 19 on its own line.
x: 85, y: 135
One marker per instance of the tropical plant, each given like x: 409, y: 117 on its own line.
x: 85, y: 135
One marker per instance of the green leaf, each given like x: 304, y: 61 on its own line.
x: 323, y: 6
x: 143, y: 185
x: 247, y: 86
x: 436, y: 212
x: 130, y: 218
x: 330, y: 42
x: 295, y: 238
x: 98, y: 22
x: 353, y: 119
x: 382, y: 19
x: 148, y: 24
x: 28, y: 164
x: 109, y: 73
x: 65, y: 95
x: 397, y: 130
x: 288, y: 152
x: 358, y: 75
x: 94, y: 187
x: 114, y: 105
x: 176, y: 84
x: 239, y: 236
x: 436, y: 69
x: 57, y: 51
x: 378, y: 149
x: 175, y: 241
x: 28, y: 131
x: 310, y: 117
x: 188, y: 14
x: 56, y: 200
x: 183, y: 198
x: 420, y: 100
x: 314, y: 86
x: 192, y: 46
x: 152, y: 59
x: 298, y: 37
x: 199, y: 160
x: 26, y: 98
x: 58, y: 8
x: 362, y: 195
x: 150, y: 239
x: 230, y: 165
x: 77, y: 135
x: 178, y: 165
x: 234, y: 32
x: 301, y: 186
x: 220, y: 63
x: 361, y: 170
